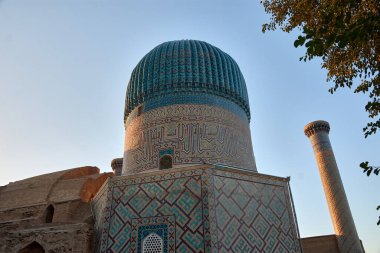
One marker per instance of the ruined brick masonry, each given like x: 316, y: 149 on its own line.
x: 50, y: 213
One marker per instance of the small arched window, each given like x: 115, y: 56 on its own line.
x: 152, y: 244
x: 33, y: 247
x: 49, y: 213
x: 166, y: 162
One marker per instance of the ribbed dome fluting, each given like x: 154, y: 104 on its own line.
x: 178, y: 67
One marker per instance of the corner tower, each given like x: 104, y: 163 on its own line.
x: 186, y: 103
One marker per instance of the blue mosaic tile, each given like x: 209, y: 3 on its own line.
x: 194, y: 98
x: 174, y: 208
x: 200, y: 210
x: 178, y: 67
x: 166, y: 152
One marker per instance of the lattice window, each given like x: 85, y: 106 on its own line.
x: 152, y: 244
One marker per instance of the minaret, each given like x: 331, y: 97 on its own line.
x: 347, y: 237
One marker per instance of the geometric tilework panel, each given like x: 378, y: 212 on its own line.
x: 172, y: 205
x: 99, y: 206
x: 196, y: 209
x: 252, y: 216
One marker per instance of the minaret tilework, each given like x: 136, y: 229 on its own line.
x: 348, y: 240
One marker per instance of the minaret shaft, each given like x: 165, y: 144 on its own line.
x: 345, y: 230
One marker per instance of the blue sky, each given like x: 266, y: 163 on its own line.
x: 64, y: 69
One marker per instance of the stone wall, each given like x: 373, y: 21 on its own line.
x: 76, y: 238
x: 50, y: 213
x: 317, y: 244
x: 26, y: 213
x: 67, y: 191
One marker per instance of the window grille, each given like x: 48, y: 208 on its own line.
x: 152, y: 244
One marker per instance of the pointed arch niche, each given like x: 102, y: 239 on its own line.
x: 49, y: 214
x: 33, y: 247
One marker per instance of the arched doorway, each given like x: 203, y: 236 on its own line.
x: 33, y: 247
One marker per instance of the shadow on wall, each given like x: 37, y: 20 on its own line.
x: 33, y: 247
x: 49, y: 214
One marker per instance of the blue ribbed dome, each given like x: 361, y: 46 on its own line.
x: 178, y: 68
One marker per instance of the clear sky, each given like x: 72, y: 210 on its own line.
x: 64, y: 69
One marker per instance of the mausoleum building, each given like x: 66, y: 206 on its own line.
x: 187, y: 181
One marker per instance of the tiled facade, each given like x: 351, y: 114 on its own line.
x: 193, y: 98
x: 252, y: 213
x: 194, y: 133
x: 196, y: 209
x: 176, y: 202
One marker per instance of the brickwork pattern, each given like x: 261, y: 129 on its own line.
x: 49, y: 210
x: 193, y: 98
x: 75, y: 238
x: 327, y: 243
x: 345, y: 230
x: 196, y: 133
